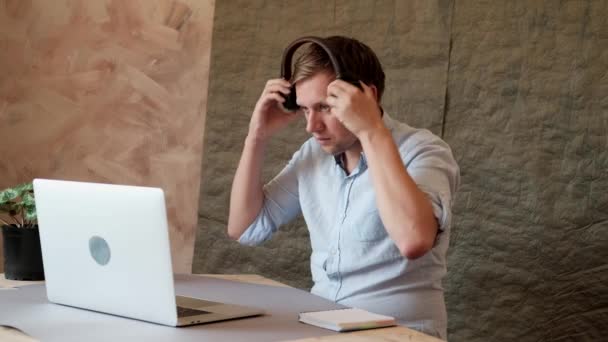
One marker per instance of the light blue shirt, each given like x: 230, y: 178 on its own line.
x: 354, y: 262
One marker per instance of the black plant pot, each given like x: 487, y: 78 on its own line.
x: 22, y: 254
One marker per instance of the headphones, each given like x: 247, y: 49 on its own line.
x: 290, y: 104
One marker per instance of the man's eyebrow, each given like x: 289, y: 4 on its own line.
x: 316, y: 104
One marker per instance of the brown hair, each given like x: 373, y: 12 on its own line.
x: 354, y: 57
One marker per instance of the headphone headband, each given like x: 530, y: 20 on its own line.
x: 291, y: 49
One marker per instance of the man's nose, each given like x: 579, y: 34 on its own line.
x: 314, y: 123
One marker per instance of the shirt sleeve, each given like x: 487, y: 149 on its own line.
x: 281, y: 205
x: 432, y: 166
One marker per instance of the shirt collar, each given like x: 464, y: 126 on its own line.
x: 339, y: 159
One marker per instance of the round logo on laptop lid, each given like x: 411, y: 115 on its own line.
x: 100, y: 250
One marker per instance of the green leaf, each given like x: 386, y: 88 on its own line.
x: 18, y: 201
x: 25, y: 187
x: 8, y: 195
x: 30, y: 214
x: 28, y: 200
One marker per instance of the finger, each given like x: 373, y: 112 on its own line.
x: 335, y: 90
x: 364, y: 86
x: 277, y: 88
x: 332, y: 101
x: 270, y: 99
x: 277, y: 85
x: 275, y: 97
x: 367, y: 90
x: 344, y: 86
x: 335, y: 106
x: 280, y: 81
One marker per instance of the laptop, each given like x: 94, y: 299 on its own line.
x: 106, y: 248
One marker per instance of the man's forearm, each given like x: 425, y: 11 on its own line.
x: 246, y: 196
x: 405, y: 210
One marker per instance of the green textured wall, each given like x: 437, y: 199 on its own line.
x: 518, y: 89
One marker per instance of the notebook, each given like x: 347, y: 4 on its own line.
x: 346, y: 319
x: 106, y: 248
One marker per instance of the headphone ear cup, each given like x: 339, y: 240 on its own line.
x: 290, y: 104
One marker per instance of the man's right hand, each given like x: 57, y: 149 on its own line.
x: 247, y: 195
x: 268, y: 116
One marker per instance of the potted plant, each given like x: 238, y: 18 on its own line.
x: 22, y: 254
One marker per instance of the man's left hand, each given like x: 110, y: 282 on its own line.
x: 356, y: 109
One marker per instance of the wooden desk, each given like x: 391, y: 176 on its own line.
x: 385, y: 334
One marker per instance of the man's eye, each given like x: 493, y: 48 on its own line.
x: 325, y: 108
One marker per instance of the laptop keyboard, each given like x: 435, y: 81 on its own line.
x: 187, y: 312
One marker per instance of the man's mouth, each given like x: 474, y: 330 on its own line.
x: 322, y: 140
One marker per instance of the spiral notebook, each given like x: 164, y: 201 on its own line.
x: 346, y: 319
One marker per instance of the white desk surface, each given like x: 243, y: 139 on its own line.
x: 383, y: 335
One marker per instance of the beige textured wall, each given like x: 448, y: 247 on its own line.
x: 108, y: 91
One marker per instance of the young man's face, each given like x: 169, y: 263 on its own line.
x: 333, y: 137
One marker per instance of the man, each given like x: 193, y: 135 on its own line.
x: 376, y: 194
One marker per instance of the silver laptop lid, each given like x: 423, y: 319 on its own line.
x: 106, y: 248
